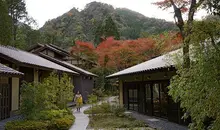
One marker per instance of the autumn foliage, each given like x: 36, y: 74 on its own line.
x: 121, y: 54
x: 182, y: 4
x: 84, y: 49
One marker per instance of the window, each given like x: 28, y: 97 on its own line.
x: 133, y: 99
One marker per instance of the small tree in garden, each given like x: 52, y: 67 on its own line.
x: 64, y: 93
x: 92, y: 100
x: 52, y: 93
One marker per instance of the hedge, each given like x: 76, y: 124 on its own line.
x: 26, y: 125
x: 60, y: 124
x: 56, y: 124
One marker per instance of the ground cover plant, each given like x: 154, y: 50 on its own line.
x: 109, y: 116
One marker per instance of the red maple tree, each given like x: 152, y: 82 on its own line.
x: 121, y: 54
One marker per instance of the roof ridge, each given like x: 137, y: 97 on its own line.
x: 58, y: 48
x: 25, y: 57
x: 64, y: 63
x: 9, y: 47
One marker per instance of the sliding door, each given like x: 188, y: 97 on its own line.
x: 156, y: 99
x: 133, y: 99
x: 148, y: 99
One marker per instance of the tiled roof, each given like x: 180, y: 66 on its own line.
x: 68, y: 65
x: 38, y: 45
x: 160, y: 62
x: 9, y: 71
x: 30, y: 59
x: 79, y: 69
x: 58, y: 48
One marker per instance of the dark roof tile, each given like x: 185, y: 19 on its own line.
x: 160, y: 62
x: 31, y: 59
x: 9, y: 71
x: 68, y: 65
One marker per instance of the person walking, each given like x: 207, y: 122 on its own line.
x: 79, y: 100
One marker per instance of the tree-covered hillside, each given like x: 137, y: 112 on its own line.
x: 82, y: 25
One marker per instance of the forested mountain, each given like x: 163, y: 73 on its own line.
x: 82, y: 25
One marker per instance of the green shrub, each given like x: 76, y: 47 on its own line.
x: 100, y: 121
x: 51, y: 114
x: 118, y: 110
x: 62, y: 123
x: 138, y: 123
x: 104, y: 108
x: 52, y: 93
x: 26, y: 125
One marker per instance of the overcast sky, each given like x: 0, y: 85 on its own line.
x: 44, y: 10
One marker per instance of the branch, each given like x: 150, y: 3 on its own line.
x: 199, y: 3
x: 194, y: 6
x: 213, y: 43
x: 173, y: 4
x: 183, y: 6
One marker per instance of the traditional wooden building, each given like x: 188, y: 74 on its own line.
x: 9, y: 91
x: 143, y: 88
x: 33, y: 68
x: 61, y: 54
x: 84, y: 82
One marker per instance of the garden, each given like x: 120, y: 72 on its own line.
x: 110, y: 115
x: 44, y: 105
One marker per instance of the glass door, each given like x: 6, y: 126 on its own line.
x: 156, y: 99
x: 148, y: 103
x: 164, y: 99
x: 133, y: 99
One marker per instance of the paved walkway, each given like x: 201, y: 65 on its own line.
x: 3, y: 122
x: 158, y: 123
x: 82, y: 120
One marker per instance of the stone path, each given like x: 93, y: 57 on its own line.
x: 158, y: 123
x: 82, y: 120
x: 3, y: 122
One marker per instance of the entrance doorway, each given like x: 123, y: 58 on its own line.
x: 133, y: 97
x: 156, y: 99
x: 5, y: 98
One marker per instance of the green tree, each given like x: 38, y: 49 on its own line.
x: 17, y: 11
x: 26, y: 36
x: 213, y: 7
x: 198, y: 87
x: 52, y: 93
x: 5, y: 24
x: 98, y: 34
x: 110, y: 28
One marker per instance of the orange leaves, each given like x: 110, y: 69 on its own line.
x: 165, y: 4
x: 121, y: 54
x: 169, y: 42
x: 70, y: 14
x: 84, y: 49
x: 184, y: 9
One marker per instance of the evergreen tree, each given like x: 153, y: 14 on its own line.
x: 5, y: 24
x: 110, y: 29
x: 98, y: 34
x: 17, y: 11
